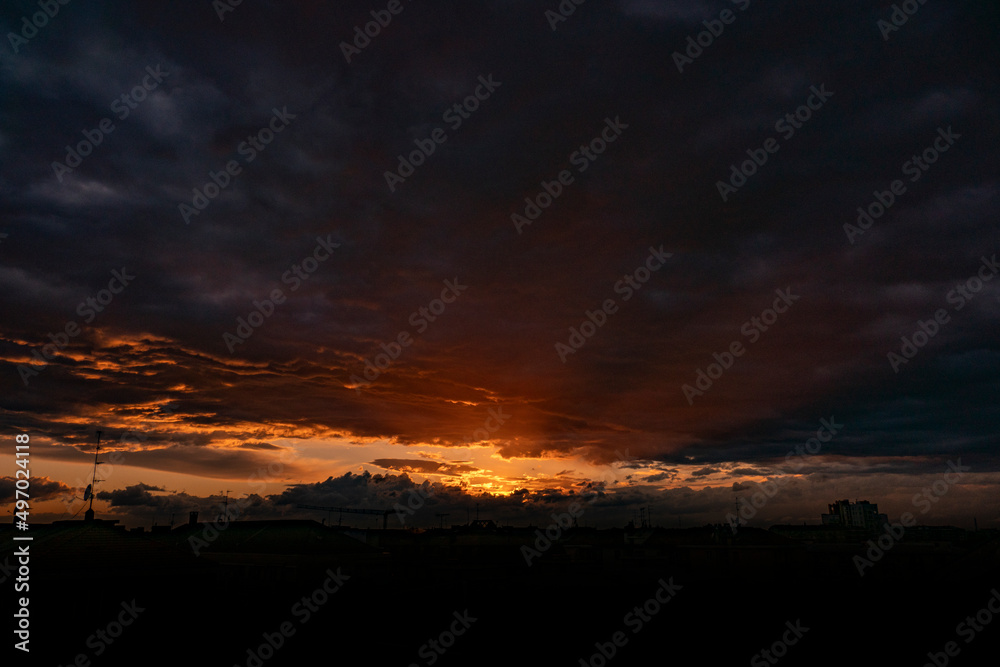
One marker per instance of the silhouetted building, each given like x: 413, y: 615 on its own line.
x: 861, y: 514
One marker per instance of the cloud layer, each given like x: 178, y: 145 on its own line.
x: 322, y: 272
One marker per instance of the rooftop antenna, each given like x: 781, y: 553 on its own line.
x: 90, y: 492
x: 225, y: 505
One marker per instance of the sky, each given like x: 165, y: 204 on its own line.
x: 503, y: 254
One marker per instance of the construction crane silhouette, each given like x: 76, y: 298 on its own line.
x: 342, y: 510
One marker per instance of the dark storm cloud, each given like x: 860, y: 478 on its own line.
x: 349, y: 490
x: 747, y: 472
x: 419, y: 466
x: 137, y: 494
x: 137, y: 505
x: 258, y: 445
x: 42, y: 488
x: 797, y: 500
x: 161, y: 338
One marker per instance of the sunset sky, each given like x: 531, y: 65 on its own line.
x: 492, y: 398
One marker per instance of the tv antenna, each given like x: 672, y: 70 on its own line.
x: 225, y: 505
x: 91, y: 491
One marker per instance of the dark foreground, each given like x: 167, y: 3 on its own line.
x: 298, y: 593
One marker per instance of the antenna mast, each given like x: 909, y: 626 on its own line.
x: 225, y: 506
x: 89, y: 514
